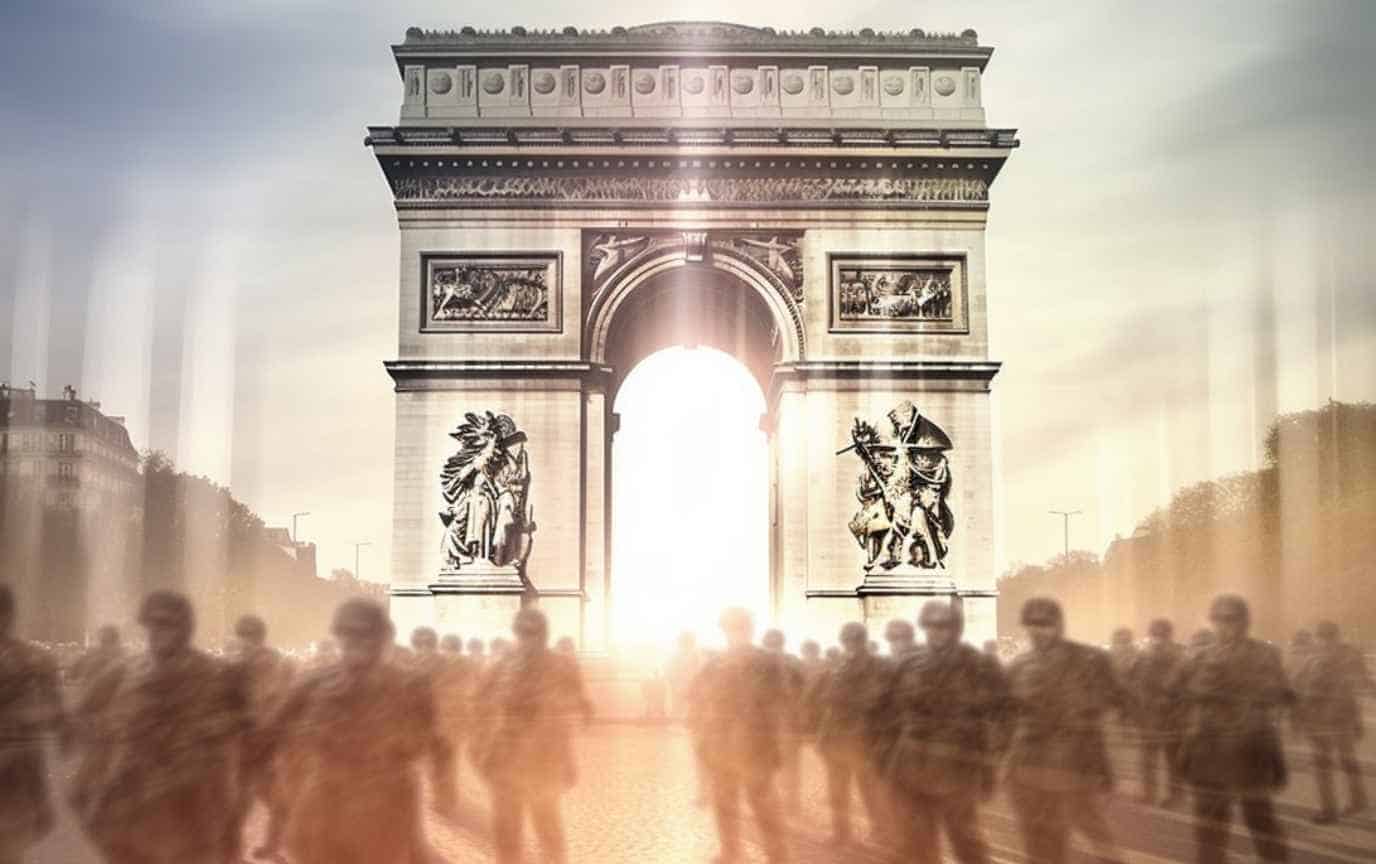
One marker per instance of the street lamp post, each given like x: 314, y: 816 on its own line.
x: 358, y: 546
x: 1065, y: 518
x: 294, y: 517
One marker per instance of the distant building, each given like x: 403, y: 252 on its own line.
x: 302, y: 553
x: 83, y: 457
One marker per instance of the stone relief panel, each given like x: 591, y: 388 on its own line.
x: 518, y: 293
x: 904, y: 521
x: 883, y: 294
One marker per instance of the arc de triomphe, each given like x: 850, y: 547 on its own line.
x: 813, y: 203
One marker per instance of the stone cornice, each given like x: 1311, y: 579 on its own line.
x: 407, y: 372
x: 977, y: 372
x: 638, y: 135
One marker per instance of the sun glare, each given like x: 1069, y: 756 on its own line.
x: 690, y: 506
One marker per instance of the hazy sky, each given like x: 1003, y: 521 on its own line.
x: 192, y: 232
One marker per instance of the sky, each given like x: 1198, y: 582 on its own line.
x: 192, y: 232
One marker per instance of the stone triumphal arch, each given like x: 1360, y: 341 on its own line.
x: 813, y: 203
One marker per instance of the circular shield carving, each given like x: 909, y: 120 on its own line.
x: 694, y: 84
x: 441, y: 83
x: 844, y: 85
x: 793, y: 84
x: 494, y: 83
x: 743, y: 83
x: 893, y: 85
x: 944, y: 85
x: 544, y: 83
x: 594, y: 82
x: 644, y: 83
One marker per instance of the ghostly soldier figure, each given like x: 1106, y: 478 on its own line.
x: 267, y: 678
x: 1150, y: 678
x: 106, y: 652
x: 30, y: 707
x: 1058, y: 765
x: 432, y: 666
x: 1301, y: 647
x: 1331, y: 717
x: 944, y: 709
x: 477, y: 653
x: 902, y: 639
x: 160, y: 737
x: 521, y: 742
x: 357, y: 728
x: 737, y: 701
x: 1228, y: 695
x: 453, y: 693
x: 1123, y: 652
x: 846, y: 698
x: 795, y: 718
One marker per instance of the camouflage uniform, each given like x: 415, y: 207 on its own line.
x: 845, y: 700
x: 944, y: 708
x: 1331, y: 717
x: 29, y: 707
x: 160, y: 736
x: 521, y: 744
x: 736, y: 706
x: 1058, y: 765
x: 1150, y: 679
x: 1228, y: 695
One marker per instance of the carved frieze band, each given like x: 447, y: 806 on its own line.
x: 778, y: 254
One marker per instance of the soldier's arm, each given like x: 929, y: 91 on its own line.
x: 1274, y: 688
x: 999, y: 708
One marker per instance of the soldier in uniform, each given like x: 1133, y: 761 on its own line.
x: 902, y: 639
x: 795, y: 719
x: 1058, y: 765
x: 1123, y: 652
x: 477, y: 653
x: 943, y: 713
x: 1301, y: 646
x: 160, y: 737
x: 106, y: 652
x: 1229, y: 694
x: 431, y: 665
x: 521, y: 743
x: 736, y: 710
x: 30, y: 707
x: 453, y: 693
x: 1331, y: 717
x: 267, y: 677
x: 845, y: 699
x: 1150, y: 678
x: 451, y: 645
x: 358, y: 727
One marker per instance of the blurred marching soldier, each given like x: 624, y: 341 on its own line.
x: 991, y: 650
x: 477, y: 653
x: 683, y: 668
x: 737, y: 706
x: 451, y: 645
x: 106, y: 652
x: 1122, y: 652
x: 1301, y: 647
x: 832, y: 656
x: 1058, y: 765
x: 358, y: 727
x: 521, y: 741
x: 1331, y: 717
x: 1150, y: 678
x: 30, y: 707
x: 160, y: 737
x: 795, y: 724
x: 845, y: 700
x: 902, y: 639
x: 944, y: 718
x: 453, y: 693
x: 432, y: 666
x: 813, y: 667
x: 1229, y: 693
x: 266, y: 676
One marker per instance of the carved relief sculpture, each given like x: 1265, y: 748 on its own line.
x: 924, y: 294
x: 904, y: 520
x: 487, y: 517
x: 490, y: 292
x: 778, y: 253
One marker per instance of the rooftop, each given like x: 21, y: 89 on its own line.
x: 681, y: 33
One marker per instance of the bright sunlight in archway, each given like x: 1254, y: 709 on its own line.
x: 690, y: 498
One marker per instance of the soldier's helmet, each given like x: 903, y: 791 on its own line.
x: 899, y: 630
x: 773, y: 639
x: 937, y: 613
x: 451, y: 644
x: 1326, y: 631
x: 423, y: 638
x: 169, y: 606
x: 1160, y: 628
x: 531, y: 623
x: 854, y: 632
x: 1230, y: 607
x: 1122, y: 636
x: 1042, y: 612
x: 251, y: 628
x: 361, y: 618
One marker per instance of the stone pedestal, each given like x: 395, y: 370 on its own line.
x: 480, y: 600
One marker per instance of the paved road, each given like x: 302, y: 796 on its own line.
x: 635, y: 804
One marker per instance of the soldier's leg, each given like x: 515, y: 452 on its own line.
x: 916, y: 827
x: 443, y: 780
x: 874, y: 796
x: 1267, y: 834
x: 1087, y: 813
x: 726, y: 794
x: 1042, y: 822
x: 1356, y: 788
x: 960, y: 817
x: 549, y: 826
x: 838, y: 796
x: 764, y: 804
x: 791, y: 774
x: 1322, y: 748
x: 1150, y: 751
x: 1211, y: 815
x: 507, y: 814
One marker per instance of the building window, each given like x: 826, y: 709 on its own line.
x: 64, y: 469
x: 73, y: 414
x: 66, y: 442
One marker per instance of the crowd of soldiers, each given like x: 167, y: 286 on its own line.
x: 174, y: 747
